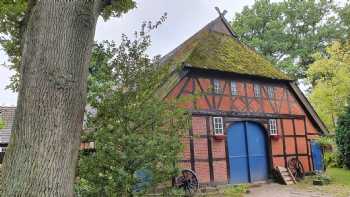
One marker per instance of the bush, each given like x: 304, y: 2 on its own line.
x: 343, y: 137
x: 321, y: 179
x: 327, y: 142
x: 333, y: 159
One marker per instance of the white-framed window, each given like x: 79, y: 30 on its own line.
x: 218, y: 124
x: 234, y: 91
x: 271, y: 92
x: 273, y: 127
x: 256, y: 90
x: 216, y: 86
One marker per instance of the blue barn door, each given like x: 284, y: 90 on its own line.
x: 237, y: 149
x: 317, y: 156
x: 247, y: 153
x: 257, y: 152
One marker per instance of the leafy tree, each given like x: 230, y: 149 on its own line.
x: 344, y: 14
x: 14, y: 16
x: 49, y: 44
x: 343, y: 137
x: 11, y: 32
x: 331, y: 78
x: 136, y: 132
x: 289, y: 32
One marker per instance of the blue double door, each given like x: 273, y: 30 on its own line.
x: 247, y: 150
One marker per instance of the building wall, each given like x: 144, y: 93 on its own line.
x: 207, y: 156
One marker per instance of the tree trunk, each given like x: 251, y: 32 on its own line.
x: 42, y: 155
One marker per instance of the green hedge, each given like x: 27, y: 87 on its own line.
x: 343, y: 137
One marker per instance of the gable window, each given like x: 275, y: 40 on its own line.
x: 273, y: 127
x: 271, y: 92
x: 256, y: 90
x: 216, y: 86
x: 234, y: 91
x: 218, y: 126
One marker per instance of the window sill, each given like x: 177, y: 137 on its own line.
x: 219, y: 137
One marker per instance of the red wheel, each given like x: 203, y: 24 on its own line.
x: 187, y: 181
x: 296, y: 168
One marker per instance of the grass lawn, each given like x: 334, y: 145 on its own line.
x: 339, y: 176
x: 339, y: 186
x: 235, y: 191
x: 226, y: 191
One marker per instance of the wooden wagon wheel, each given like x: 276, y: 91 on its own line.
x: 296, y: 168
x: 187, y: 181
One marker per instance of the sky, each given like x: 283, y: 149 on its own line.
x: 185, y: 17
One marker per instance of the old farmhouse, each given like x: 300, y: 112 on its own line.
x: 247, y: 116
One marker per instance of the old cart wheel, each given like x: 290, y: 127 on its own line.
x: 296, y: 168
x: 187, y: 181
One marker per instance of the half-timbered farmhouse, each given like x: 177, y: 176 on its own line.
x: 247, y: 116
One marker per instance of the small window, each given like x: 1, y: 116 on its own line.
x: 273, y: 126
x: 217, y: 88
x: 234, y: 91
x: 256, y: 90
x: 271, y: 92
x: 218, y: 126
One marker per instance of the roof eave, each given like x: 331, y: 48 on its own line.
x: 189, y: 66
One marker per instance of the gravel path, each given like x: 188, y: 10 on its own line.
x: 277, y: 190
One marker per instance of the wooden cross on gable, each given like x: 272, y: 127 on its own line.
x: 222, y: 16
x: 219, y: 12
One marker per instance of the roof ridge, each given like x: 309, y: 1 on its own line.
x: 237, y: 56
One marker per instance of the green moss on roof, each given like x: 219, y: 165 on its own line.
x: 216, y: 51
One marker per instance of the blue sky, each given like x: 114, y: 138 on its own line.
x: 185, y: 17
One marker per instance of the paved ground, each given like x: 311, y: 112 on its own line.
x: 277, y: 190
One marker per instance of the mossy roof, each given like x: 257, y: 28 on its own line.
x: 214, y: 48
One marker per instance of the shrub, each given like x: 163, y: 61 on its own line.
x: 321, y: 179
x: 333, y: 159
x: 326, y: 141
x: 343, y: 137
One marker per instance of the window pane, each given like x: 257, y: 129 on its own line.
x: 217, y: 88
x: 234, y: 88
x: 256, y: 90
x: 271, y: 92
x: 218, y: 125
x: 273, y: 126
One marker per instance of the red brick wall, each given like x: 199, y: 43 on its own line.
x: 295, y: 143
x: 220, y: 171
x: 201, y: 154
x: 297, y: 129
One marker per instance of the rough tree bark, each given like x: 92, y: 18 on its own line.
x: 43, y: 151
